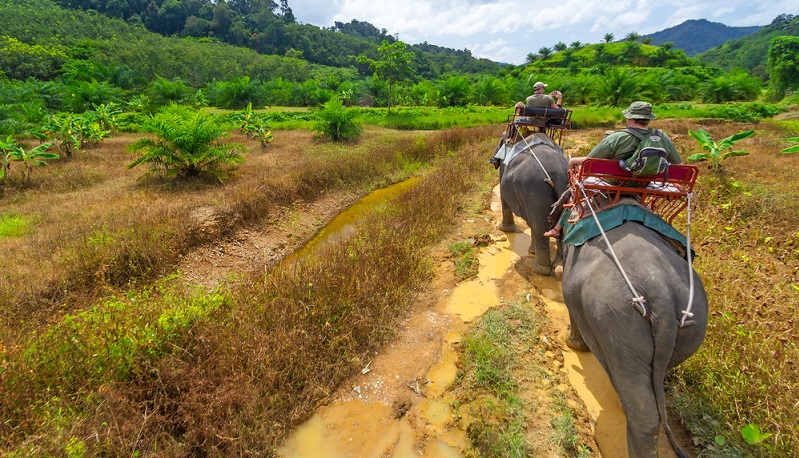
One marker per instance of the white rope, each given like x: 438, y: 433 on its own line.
x: 638, y: 301
x: 687, y: 312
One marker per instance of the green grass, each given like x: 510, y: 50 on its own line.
x: 465, y: 258
x: 14, y: 225
x: 502, y: 360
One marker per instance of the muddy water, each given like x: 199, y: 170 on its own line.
x: 366, y: 421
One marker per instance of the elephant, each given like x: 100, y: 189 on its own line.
x: 636, y: 350
x: 531, y: 180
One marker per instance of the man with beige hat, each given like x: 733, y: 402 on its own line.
x: 541, y: 100
x: 622, y: 144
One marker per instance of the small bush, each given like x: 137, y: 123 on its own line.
x: 337, y: 123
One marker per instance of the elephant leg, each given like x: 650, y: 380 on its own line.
x: 640, y: 409
x: 575, y: 340
x: 539, y: 250
x: 508, y: 224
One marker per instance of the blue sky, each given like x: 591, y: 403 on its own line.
x: 508, y: 30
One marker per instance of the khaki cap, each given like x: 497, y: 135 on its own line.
x: 639, y: 110
x: 539, y: 84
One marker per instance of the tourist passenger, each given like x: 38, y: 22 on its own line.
x: 541, y: 100
x: 621, y: 144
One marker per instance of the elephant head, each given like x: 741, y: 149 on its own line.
x: 635, y: 345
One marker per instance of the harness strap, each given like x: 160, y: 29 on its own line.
x: 687, y: 312
x: 638, y: 301
x: 529, y: 147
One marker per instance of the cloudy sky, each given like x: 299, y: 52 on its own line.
x: 508, y: 30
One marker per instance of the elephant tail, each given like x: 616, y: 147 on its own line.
x: 665, y: 338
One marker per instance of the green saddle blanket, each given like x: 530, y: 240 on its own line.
x: 585, y: 229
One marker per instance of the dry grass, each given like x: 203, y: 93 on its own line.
x: 158, y: 368
x: 746, y: 230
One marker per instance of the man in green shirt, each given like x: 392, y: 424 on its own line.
x: 622, y: 144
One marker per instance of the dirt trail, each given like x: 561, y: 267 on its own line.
x: 399, y: 405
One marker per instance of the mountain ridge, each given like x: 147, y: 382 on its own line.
x: 695, y: 36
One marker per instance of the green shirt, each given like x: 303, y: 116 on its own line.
x: 621, y: 145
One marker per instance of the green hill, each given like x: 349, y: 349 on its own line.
x: 43, y: 33
x: 751, y: 52
x: 271, y: 29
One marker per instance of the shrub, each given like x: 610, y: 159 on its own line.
x: 186, y: 145
x: 336, y: 122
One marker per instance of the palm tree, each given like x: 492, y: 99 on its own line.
x: 632, y: 36
x: 647, y: 41
x: 608, y: 37
x: 617, y: 87
x: 576, y: 45
x: 530, y: 58
x: 186, y: 144
x: 544, y: 52
x: 560, y: 46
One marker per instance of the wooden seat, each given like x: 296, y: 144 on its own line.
x: 552, y: 121
x: 604, y: 182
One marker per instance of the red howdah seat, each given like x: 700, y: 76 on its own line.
x: 604, y: 182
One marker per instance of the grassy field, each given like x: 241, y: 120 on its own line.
x: 124, y: 353
x: 100, y: 339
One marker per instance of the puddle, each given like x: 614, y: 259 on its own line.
x: 343, y: 224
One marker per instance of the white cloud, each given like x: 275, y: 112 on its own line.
x: 507, y: 30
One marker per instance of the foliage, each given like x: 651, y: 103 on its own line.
x: 22, y: 61
x: 12, y: 152
x: 393, y: 65
x: 253, y: 124
x: 783, y: 65
x: 734, y: 86
x: 135, y: 52
x: 716, y: 150
x: 238, y: 93
x: 336, y: 122
x: 64, y: 130
x: 617, y: 87
x: 751, y: 52
x: 186, y: 145
x: 791, y: 149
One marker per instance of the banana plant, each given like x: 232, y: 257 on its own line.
x: 32, y: 157
x: 65, y: 131
x: 106, y: 114
x: 791, y: 149
x: 716, y: 150
x: 5, y: 149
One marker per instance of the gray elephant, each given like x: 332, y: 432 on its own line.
x: 635, y: 346
x: 533, y: 174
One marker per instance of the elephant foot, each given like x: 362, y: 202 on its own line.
x: 542, y: 270
x: 575, y: 341
x: 508, y: 227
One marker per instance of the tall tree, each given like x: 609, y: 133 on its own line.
x: 783, y: 66
x: 608, y: 37
x: 393, y: 65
